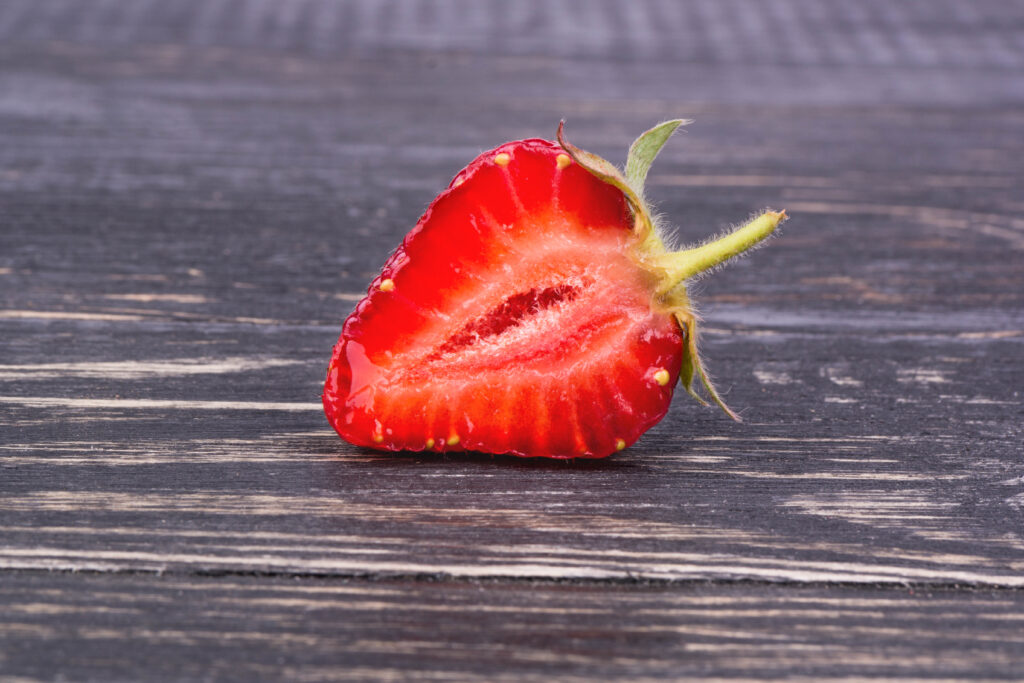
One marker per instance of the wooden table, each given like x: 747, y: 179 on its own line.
x: 194, y: 194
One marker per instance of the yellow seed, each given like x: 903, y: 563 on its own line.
x: 378, y: 438
x: 453, y: 440
x: 502, y: 159
x: 662, y: 377
x: 458, y: 181
x: 387, y: 285
x: 562, y: 160
x: 619, y: 444
x: 430, y: 443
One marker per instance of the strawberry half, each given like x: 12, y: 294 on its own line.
x: 532, y: 310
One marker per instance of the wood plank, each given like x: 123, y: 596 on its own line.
x: 162, y: 383
x: 193, y: 195
x: 271, y: 490
x: 87, y: 627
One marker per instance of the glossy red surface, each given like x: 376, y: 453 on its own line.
x: 510, y: 320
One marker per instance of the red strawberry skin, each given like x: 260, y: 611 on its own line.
x: 513, y: 318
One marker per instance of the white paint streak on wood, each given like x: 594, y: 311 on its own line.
x: 152, y: 404
x: 43, y: 608
x: 866, y: 461
x: 851, y: 476
x: 1006, y: 228
x: 192, y: 636
x: 68, y: 315
x: 145, y: 315
x: 798, y: 439
x: 995, y: 334
x: 919, y: 513
x: 9, y: 629
x: 921, y: 376
x: 813, y: 572
x: 841, y: 182
x: 141, y: 277
x: 756, y: 550
x: 772, y: 377
x: 982, y: 401
x: 684, y: 600
x: 125, y: 534
x: 130, y: 459
x: 741, y: 180
x: 141, y: 369
x: 975, y: 537
x: 840, y: 375
x: 217, y: 503
x: 881, y: 502
x: 173, y: 298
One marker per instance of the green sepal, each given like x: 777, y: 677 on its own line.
x: 644, y: 150
x: 693, y: 367
x: 688, y: 369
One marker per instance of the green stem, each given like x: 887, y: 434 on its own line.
x: 682, y: 265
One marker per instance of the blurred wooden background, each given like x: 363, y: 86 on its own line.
x: 193, y: 194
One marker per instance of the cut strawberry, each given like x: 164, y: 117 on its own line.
x: 532, y: 310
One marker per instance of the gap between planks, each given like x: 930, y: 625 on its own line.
x: 593, y: 582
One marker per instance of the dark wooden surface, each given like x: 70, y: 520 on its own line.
x: 194, y: 194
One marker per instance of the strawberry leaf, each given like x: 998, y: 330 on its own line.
x: 645, y: 149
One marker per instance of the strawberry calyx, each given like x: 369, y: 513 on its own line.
x: 670, y: 269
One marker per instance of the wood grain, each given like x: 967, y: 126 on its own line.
x: 193, y: 195
x: 301, y: 629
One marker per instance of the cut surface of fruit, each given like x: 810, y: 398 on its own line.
x: 513, y: 321
x: 525, y: 313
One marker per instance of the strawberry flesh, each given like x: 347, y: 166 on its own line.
x: 513, y: 318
